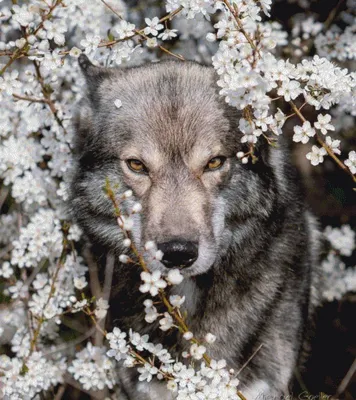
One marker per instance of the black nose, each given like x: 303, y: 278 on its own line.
x: 178, y: 253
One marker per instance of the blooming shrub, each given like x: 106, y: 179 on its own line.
x: 50, y: 302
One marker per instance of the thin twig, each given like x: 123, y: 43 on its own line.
x: 95, y: 287
x: 345, y: 382
x: 72, y: 323
x: 249, y: 359
x: 109, y: 271
x: 60, y: 392
x: 71, y: 343
x: 6, y: 250
x: 4, y: 191
x: 332, y: 15
x: 30, y: 99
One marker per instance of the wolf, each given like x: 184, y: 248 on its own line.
x: 240, y: 233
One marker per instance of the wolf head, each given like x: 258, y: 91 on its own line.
x: 173, y: 142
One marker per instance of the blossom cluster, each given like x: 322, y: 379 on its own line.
x: 251, y: 73
x: 338, y: 278
x: 211, y: 381
x: 93, y: 368
x: 52, y: 313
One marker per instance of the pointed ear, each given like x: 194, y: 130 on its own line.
x: 93, y: 75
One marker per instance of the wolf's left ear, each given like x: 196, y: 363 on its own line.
x: 93, y: 75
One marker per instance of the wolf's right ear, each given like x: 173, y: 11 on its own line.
x: 93, y: 75
x: 83, y: 117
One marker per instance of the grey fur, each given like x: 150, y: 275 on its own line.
x: 251, y: 283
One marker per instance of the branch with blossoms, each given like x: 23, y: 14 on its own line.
x: 46, y: 311
x: 253, y: 73
x: 153, y: 26
x: 125, y: 31
x: 155, y: 284
x: 23, y: 44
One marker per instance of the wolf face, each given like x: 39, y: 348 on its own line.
x: 173, y: 142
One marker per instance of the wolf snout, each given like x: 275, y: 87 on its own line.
x: 178, y: 253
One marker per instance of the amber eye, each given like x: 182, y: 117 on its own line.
x: 137, y: 166
x: 215, y: 163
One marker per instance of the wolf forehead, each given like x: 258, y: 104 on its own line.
x: 175, y: 104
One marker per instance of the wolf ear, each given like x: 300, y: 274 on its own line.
x: 93, y: 75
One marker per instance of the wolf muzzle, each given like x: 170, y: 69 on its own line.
x: 178, y: 253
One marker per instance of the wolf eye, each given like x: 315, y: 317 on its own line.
x: 137, y: 166
x: 215, y: 163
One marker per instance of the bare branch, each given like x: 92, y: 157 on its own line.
x: 345, y: 382
x: 109, y: 271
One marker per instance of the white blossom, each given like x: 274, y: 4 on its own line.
x: 168, y: 34
x: 152, y: 282
x: 90, y: 43
x: 125, y: 223
x: 118, y: 103
x: 124, y: 258
x: 303, y: 133
x: 210, y: 338
x: 197, y: 351
x: 151, y: 42
x: 176, y: 300
x: 140, y: 342
x: 150, y: 245
x: 126, y: 242
x: 75, y: 52
x: 158, y: 255
x: 153, y: 26
x: 147, y: 372
x: 290, y: 90
x: 125, y: 29
x: 6, y: 270
x: 9, y: 82
x: 55, y: 31
x: 151, y: 314
x: 316, y: 156
x: 137, y: 208
x: 342, y: 240
x: 80, y: 283
x: 175, y: 277
x: 323, y: 123
x: 172, y: 386
x: 188, y: 335
x: 351, y: 162
x: 166, y: 323
x: 101, y: 309
x: 334, y: 145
